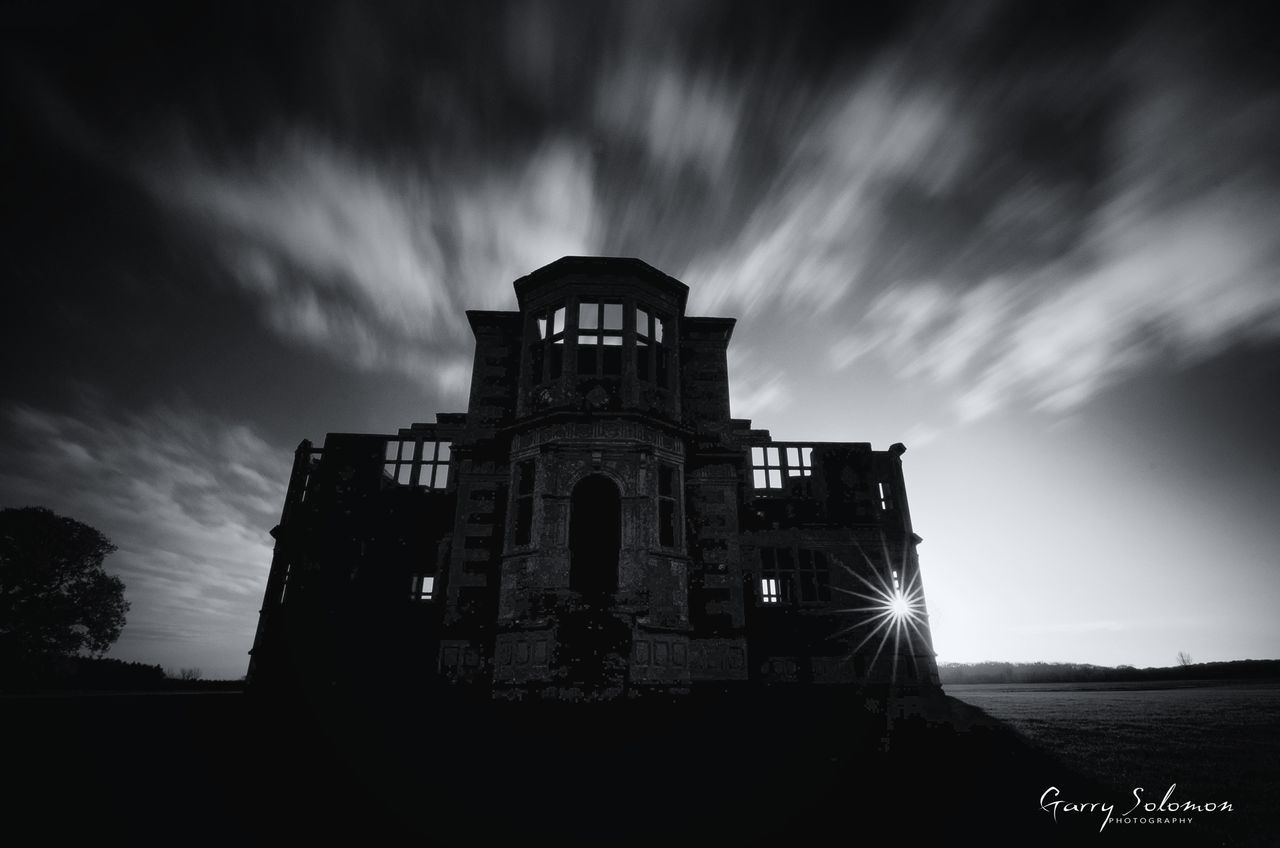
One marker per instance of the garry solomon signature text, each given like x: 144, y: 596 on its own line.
x: 1164, y: 811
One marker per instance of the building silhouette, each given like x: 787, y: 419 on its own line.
x: 595, y: 525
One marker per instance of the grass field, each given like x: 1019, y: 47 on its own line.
x: 1217, y: 741
x: 198, y: 768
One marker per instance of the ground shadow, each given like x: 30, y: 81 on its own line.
x: 765, y: 772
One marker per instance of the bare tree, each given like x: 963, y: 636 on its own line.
x: 189, y: 674
x: 1184, y: 659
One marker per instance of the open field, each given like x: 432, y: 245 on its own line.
x: 213, y: 768
x: 1218, y: 741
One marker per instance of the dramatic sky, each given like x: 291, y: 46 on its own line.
x: 1037, y: 242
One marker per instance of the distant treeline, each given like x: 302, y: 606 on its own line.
x: 1001, y: 672
x: 98, y: 674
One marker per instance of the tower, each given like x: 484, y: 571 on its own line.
x: 596, y: 525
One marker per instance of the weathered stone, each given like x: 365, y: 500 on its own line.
x: 596, y: 525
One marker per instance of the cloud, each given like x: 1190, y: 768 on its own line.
x: 755, y: 388
x: 509, y: 224
x: 921, y: 435
x: 682, y: 117
x: 1177, y: 262
x: 807, y: 244
x: 187, y: 498
x: 374, y: 261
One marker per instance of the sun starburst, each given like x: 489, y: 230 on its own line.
x: 888, y: 609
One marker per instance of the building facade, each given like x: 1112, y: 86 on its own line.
x: 595, y: 525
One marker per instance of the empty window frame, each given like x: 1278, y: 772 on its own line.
x: 284, y: 582
x: 772, y: 465
x: 644, y: 335
x: 777, y: 566
x: 668, y: 506
x: 797, y: 575
x: 799, y: 461
x: 433, y: 471
x: 409, y: 462
x: 813, y: 576
x: 312, y: 465
x: 886, y: 497
x: 398, y: 461
x: 525, y: 479
x: 422, y: 587
x: 661, y: 355
x: 766, y: 468
x: 652, y: 355
x: 547, y: 351
x: 599, y: 338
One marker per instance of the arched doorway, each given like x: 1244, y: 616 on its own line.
x: 595, y: 536
x: 594, y: 642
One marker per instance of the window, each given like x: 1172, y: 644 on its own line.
x: 799, y: 462
x: 433, y: 473
x: 652, y: 356
x: 766, y: 468
x: 525, y: 477
x: 771, y: 466
x: 780, y: 588
x: 644, y: 332
x: 796, y: 576
x: 668, y: 514
x: 313, y: 464
x: 547, y: 352
x: 422, y: 588
x: 660, y: 354
x: 409, y: 462
x: 398, y: 461
x: 886, y: 497
x: 599, y: 338
x: 814, y: 576
x: 557, y: 344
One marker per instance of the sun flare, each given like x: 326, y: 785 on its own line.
x: 888, y: 610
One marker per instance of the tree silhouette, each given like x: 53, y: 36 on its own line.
x: 55, y: 598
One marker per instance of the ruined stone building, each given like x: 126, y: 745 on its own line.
x: 596, y: 524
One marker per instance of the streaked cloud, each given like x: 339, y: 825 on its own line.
x: 755, y: 387
x: 806, y: 245
x: 187, y: 498
x: 1176, y: 263
x: 683, y: 117
x: 373, y: 260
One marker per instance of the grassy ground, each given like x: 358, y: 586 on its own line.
x: 1216, y: 741
x: 212, y: 768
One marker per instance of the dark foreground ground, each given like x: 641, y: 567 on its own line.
x: 204, y: 768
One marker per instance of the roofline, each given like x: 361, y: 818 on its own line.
x: 725, y: 325
x: 570, y: 264
x: 478, y: 318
